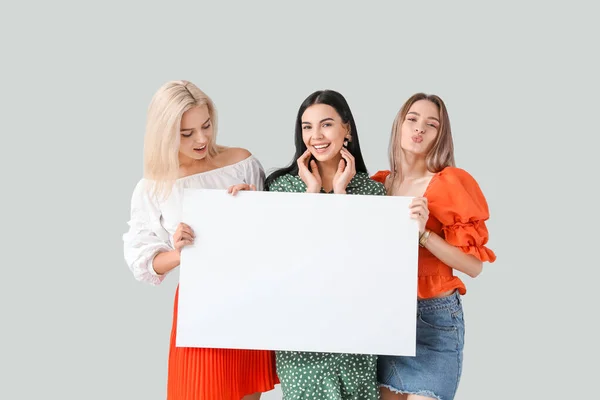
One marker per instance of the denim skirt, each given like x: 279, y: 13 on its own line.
x: 436, y: 369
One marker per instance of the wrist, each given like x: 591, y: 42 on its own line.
x: 312, y: 189
x: 424, y: 237
x: 340, y: 188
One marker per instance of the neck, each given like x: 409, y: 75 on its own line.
x: 187, y: 163
x: 327, y: 170
x: 413, y: 166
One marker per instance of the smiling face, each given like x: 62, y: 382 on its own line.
x: 196, y: 133
x: 420, y: 127
x: 323, y: 132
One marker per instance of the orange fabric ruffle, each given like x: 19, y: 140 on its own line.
x: 458, y: 211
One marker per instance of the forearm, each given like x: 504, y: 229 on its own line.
x: 166, y: 261
x: 452, y: 256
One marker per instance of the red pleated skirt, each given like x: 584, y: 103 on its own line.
x: 217, y: 374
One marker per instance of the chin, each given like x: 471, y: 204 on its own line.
x: 414, y: 149
x: 195, y: 156
x: 322, y: 157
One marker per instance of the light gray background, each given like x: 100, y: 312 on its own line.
x: 521, y: 85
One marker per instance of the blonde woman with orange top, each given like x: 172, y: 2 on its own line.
x: 451, y: 211
x: 181, y: 152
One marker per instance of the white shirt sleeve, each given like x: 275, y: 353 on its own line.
x: 145, y: 238
x: 254, y: 173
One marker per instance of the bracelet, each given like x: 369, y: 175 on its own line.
x: 423, y: 238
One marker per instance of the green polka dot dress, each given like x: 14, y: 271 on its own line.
x: 327, y: 376
x: 360, y: 184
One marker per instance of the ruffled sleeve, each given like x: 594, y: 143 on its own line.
x: 381, y: 176
x: 457, y: 201
x: 254, y: 173
x: 146, y: 237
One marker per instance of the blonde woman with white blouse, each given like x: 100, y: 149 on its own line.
x: 180, y: 151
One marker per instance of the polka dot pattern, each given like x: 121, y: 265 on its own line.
x: 361, y: 184
x: 328, y: 376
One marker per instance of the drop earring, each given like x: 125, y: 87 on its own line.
x: 347, y: 138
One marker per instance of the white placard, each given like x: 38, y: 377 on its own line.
x: 298, y: 271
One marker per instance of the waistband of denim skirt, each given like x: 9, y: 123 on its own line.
x: 449, y: 301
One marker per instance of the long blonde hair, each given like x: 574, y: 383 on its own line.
x: 162, y: 138
x: 441, y: 153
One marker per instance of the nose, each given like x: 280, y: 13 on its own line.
x: 419, y: 129
x: 317, y: 133
x: 199, y: 137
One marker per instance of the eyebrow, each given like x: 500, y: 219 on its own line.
x: 190, y: 129
x: 416, y: 113
x: 323, y: 120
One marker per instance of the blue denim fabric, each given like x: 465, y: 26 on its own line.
x: 436, y: 369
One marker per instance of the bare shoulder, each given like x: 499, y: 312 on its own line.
x: 232, y: 155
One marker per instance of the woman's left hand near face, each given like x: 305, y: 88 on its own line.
x: 344, y: 174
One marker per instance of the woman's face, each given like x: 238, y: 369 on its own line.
x: 420, y: 127
x: 323, y: 132
x: 196, y: 132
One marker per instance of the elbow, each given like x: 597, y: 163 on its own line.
x: 146, y: 277
x: 141, y: 273
x: 476, y: 269
x: 137, y: 273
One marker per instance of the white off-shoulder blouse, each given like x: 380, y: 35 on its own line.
x: 153, y: 223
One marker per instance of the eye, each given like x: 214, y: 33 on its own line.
x: 326, y: 124
x: 413, y: 119
x: 186, y: 134
x: 306, y: 127
x: 432, y: 125
x: 206, y: 126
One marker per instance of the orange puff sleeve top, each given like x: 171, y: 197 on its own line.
x: 457, y: 212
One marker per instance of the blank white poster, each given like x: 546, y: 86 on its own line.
x: 299, y: 271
